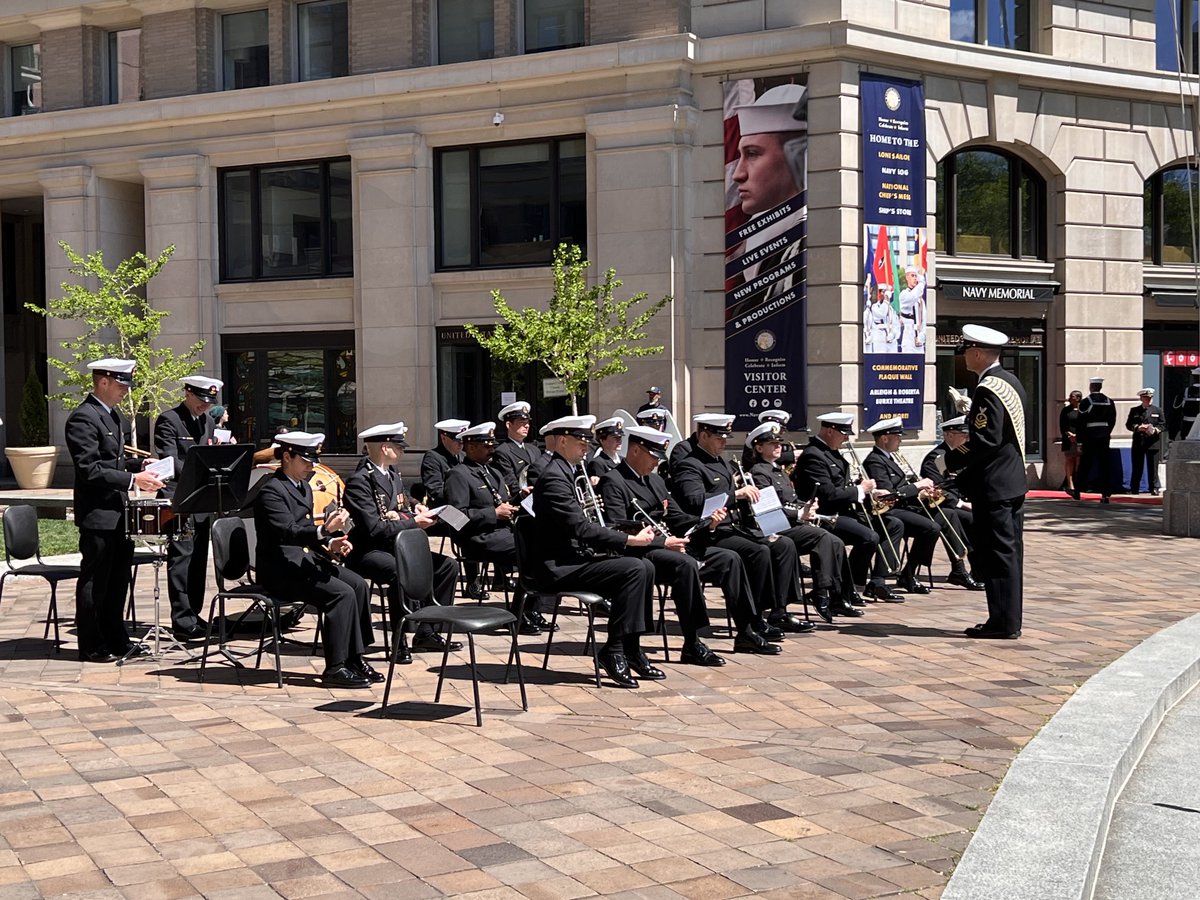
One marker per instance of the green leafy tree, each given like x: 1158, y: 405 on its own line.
x: 585, y: 334
x: 119, y: 322
x: 35, y: 423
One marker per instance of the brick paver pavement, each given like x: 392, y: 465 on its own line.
x: 855, y: 765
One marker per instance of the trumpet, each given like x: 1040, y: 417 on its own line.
x: 931, y: 500
x: 640, y: 513
x: 746, y: 481
x: 875, y: 507
x: 586, y: 495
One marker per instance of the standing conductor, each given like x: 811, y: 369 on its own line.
x: 991, y: 472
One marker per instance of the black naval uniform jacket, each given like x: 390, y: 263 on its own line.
x: 476, y: 489
x: 96, y: 441
x: 991, y: 464
x: 936, y: 472
x: 1098, y: 414
x: 435, y: 465
x: 822, y: 469
x: 287, y: 535
x: 176, y: 431
x: 620, y: 486
x: 1145, y: 415
x: 601, y: 464
x: 888, y: 475
x: 565, y: 538
x: 510, y: 458
x: 367, y: 490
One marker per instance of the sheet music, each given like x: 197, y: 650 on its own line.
x: 768, y: 512
x: 222, y: 435
x: 453, y: 517
x: 527, y: 504
x: 162, y: 469
x: 712, y: 504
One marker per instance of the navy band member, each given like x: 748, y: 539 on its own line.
x: 991, y: 473
x: 177, y: 431
x: 1146, y: 421
x: 831, y: 566
x: 515, y: 455
x: 478, y: 489
x: 787, y: 455
x: 956, y: 508
x: 634, y: 490
x: 1098, y: 416
x: 609, y: 434
x: 770, y: 565
x: 437, y: 462
x: 96, y: 433
x: 880, y: 465
x: 823, y: 472
x: 568, y: 553
x: 380, y: 509
x: 289, y: 565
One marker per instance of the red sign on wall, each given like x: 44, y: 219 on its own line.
x: 1188, y: 358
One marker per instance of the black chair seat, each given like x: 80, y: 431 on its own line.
x: 21, y: 541
x: 50, y: 573
x: 465, y: 618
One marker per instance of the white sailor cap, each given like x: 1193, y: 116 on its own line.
x: 1096, y: 379
x: 775, y: 111
x: 716, y: 423
x: 655, y: 412
x: 958, y: 423
x: 452, y: 427
x: 775, y: 415
x: 483, y: 433
x: 982, y: 336
x: 577, y: 426
x: 911, y: 270
x: 767, y: 431
x: 892, y: 425
x: 655, y: 441
x: 1146, y: 392
x: 518, y: 410
x: 610, y: 427
x: 393, y: 433
x: 301, y: 443
x: 206, y: 389
x: 119, y: 370
x: 843, y: 422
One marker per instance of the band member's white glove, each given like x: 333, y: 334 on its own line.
x: 961, y: 401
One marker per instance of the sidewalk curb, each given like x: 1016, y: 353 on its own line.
x: 1043, y: 836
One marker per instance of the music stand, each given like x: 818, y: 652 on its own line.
x: 214, y: 479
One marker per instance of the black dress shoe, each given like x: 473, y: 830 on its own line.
x: 882, y: 592
x: 97, y: 656
x: 910, y: 585
x: 434, y: 642
x: 617, y: 668
x: 698, y: 654
x: 343, y: 677
x: 964, y: 579
x: 475, y: 591
x: 993, y: 634
x: 644, y: 668
x: 821, y: 605
x: 361, y: 667
x: 528, y: 626
x: 849, y: 612
x: 750, y: 641
x: 403, y: 654
x: 541, y: 621
x: 193, y: 633
x: 768, y: 631
x: 856, y: 599
x: 786, y: 621
x: 1154, y: 492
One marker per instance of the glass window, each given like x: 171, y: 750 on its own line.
x: 1175, y: 35
x: 466, y: 30
x: 287, y: 221
x: 323, y: 40
x: 996, y: 23
x: 244, y: 50
x: 990, y: 203
x: 525, y: 199
x: 125, y: 66
x: 553, y: 24
x: 1171, y: 216
x: 26, y: 79
x: 293, y: 381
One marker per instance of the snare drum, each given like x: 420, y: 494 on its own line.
x: 146, y: 516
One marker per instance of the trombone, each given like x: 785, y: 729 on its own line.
x: 954, y: 543
x: 875, y: 508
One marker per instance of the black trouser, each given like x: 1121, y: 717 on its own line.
x: 187, y: 574
x: 1000, y: 559
x: 1095, y: 455
x: 724, y: 568
x: 101, y: 590
x: 825, y: 550
x: 770, y: 568
x: 682, y: 573
x: 922, y: 532
x: 870, y: 551
x: 380, y: 566
x: 1140, y: 456
x: 961, y: 523
x: 626, y: 582
x: 341, y: 594
x: 498, y: 547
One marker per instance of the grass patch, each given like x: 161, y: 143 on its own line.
x: 57, y: 536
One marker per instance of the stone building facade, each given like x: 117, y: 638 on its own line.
x: 318, y: 166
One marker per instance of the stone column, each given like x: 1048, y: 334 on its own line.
x: 639, y: 226
x: 393, y: 297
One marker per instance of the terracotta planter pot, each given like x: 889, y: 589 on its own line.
x: 33, y: 467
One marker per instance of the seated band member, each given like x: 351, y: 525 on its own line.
x: 478, y: 490
x: 438, y: 461
x: 770, y: 565
x: 514, y: 453
x: 567, y: 553
x: 96, y: 434
x: 176, y: 431
x: 290, y: 565
x: 609, y: 434
x: 633, y: 491
x: 380, y: 510
x: 823, y: 471
x: 955, y: 506
x: 881, y: 465
x: 831, y: 566
x: 787, y: 454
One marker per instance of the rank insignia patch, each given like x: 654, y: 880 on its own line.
x: 981, y: 419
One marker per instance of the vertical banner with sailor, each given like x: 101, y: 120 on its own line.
x: 895, y: 250
x: 766, y: 154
